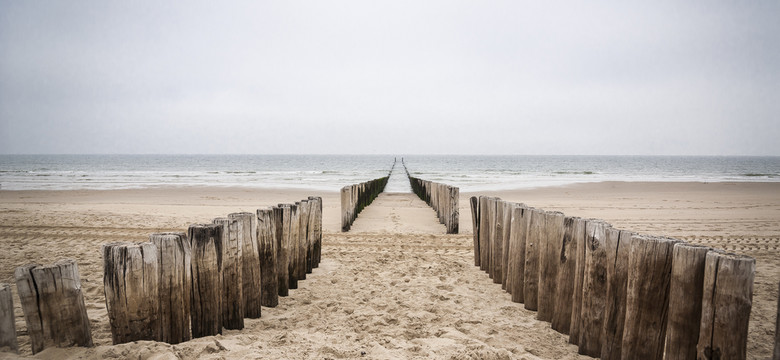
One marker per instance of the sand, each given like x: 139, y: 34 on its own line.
x: 395, y: 286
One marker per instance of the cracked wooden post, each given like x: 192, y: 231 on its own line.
x: 594, y: 289
x: 497, y: 241
x: 206, y: 311
x: 175, y: 263
x: 131, y: 279
x: 453, y: 214
x: 507, y: 222
x: 579, y: 279
x: 549, y: 257
x: 618, y: 251
x: 484, y: 234
x: 267, y: 242
x: 573, y: 234
x: 647, y: 297
x: 303, y: 238
x: 250, y: 263
x: 310, y: 225
x: 317, y: 244
x: 531, y: 270
x: 8, y: 340
x: 726, y: 303
x: 685, y: 291
x: 518, y: 233
x: 474, y: 202
x: 232, y: 283
x: 282, y: 234
x: 293, y: 236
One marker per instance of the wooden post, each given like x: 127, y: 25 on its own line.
x: 345, y: 208
x: 579, y: 279
x: 131, y: 281
x: 267, y: 243
x: 53, y: 305
x: 685, y: 291
x: 454, y: 210
x: 312, y: 218
x: 206, y: 310
x: 282, y: 233
x: 174, y: 254
x: 303, y: 239
x: 506, y: 237
x: 497, y: 214
x: 250, y: 263
x: 232, y: 283
x: 726, y: 303
x: 536, y: 227
x: 518, y: 233
x: 294, y: 239
x: 549, y: 256
x: 573, y: 234
x: 317, y: 230
x: 647, y: 297
x: 484, y: 233
x: 474, y: 201
x: 618, y: 250
x: 7, y: 320
x: 594, y: 289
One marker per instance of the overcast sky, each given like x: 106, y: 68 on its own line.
x: 440, y: 77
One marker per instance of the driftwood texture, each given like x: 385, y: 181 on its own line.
x: 506, y: 223
x: 206, y: 311
x: 573, y: 234
x: 175, y: 264
x: 7, y: 322
x: 232, y: 282
x: 618, y: 251
x: 726, y: 303
x: 131, y: 280
x: 282, y: 233
x: 550, y: 248
x: 579, y: 280
x: 497, y: 215
x: 647, y: 297
x: 250, y: 263
x: 594, y: 289
x: 267, y: 241
x: 484, y: 233
x: 53, y: 305
x: 317, y: 243
x: 685, y: 292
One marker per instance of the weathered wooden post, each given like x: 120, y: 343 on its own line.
x: 7, y: 322
x: 454, y: 211
x: 312, y: 218
x: 573, y: 234
x: 497, y: 241
x: 484, y: 233
x: 303, y: 238
x: 317, y: 230
x: 506, y: 237
x: 174, y: 254
x: 518, y: 233
x: 346, y: 208
x: 131, y: 281
x: 579, y: 280
x: 206, y: 310
x: 232, y: 283
x: 726, y: 303
x: 536, y: 227
x: 53, y: 305
x: 685, y: 291
x: 267, y: 242
x: 549, y: 256
x: 647, y: 297
x: 293, y: 236
x: 618, y: 246
x: 474, y: 201
x: 251, y: 291
x: 282, y: 233
x: 594, y: 289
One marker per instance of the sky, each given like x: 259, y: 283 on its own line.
x: 390, y: 77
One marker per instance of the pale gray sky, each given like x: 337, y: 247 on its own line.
x: 445, y: 77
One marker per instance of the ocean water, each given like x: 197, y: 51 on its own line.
x: 331, y: 172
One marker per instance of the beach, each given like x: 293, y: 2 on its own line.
x: 395, y: 286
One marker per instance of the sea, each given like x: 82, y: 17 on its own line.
x: 331, y: 172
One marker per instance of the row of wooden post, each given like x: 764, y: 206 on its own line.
x: 178, y: 285
x: 355, y: 198
x: 617, y: 294
x: 442, y: 198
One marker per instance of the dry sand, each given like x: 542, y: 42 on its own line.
x: 393, y: 287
